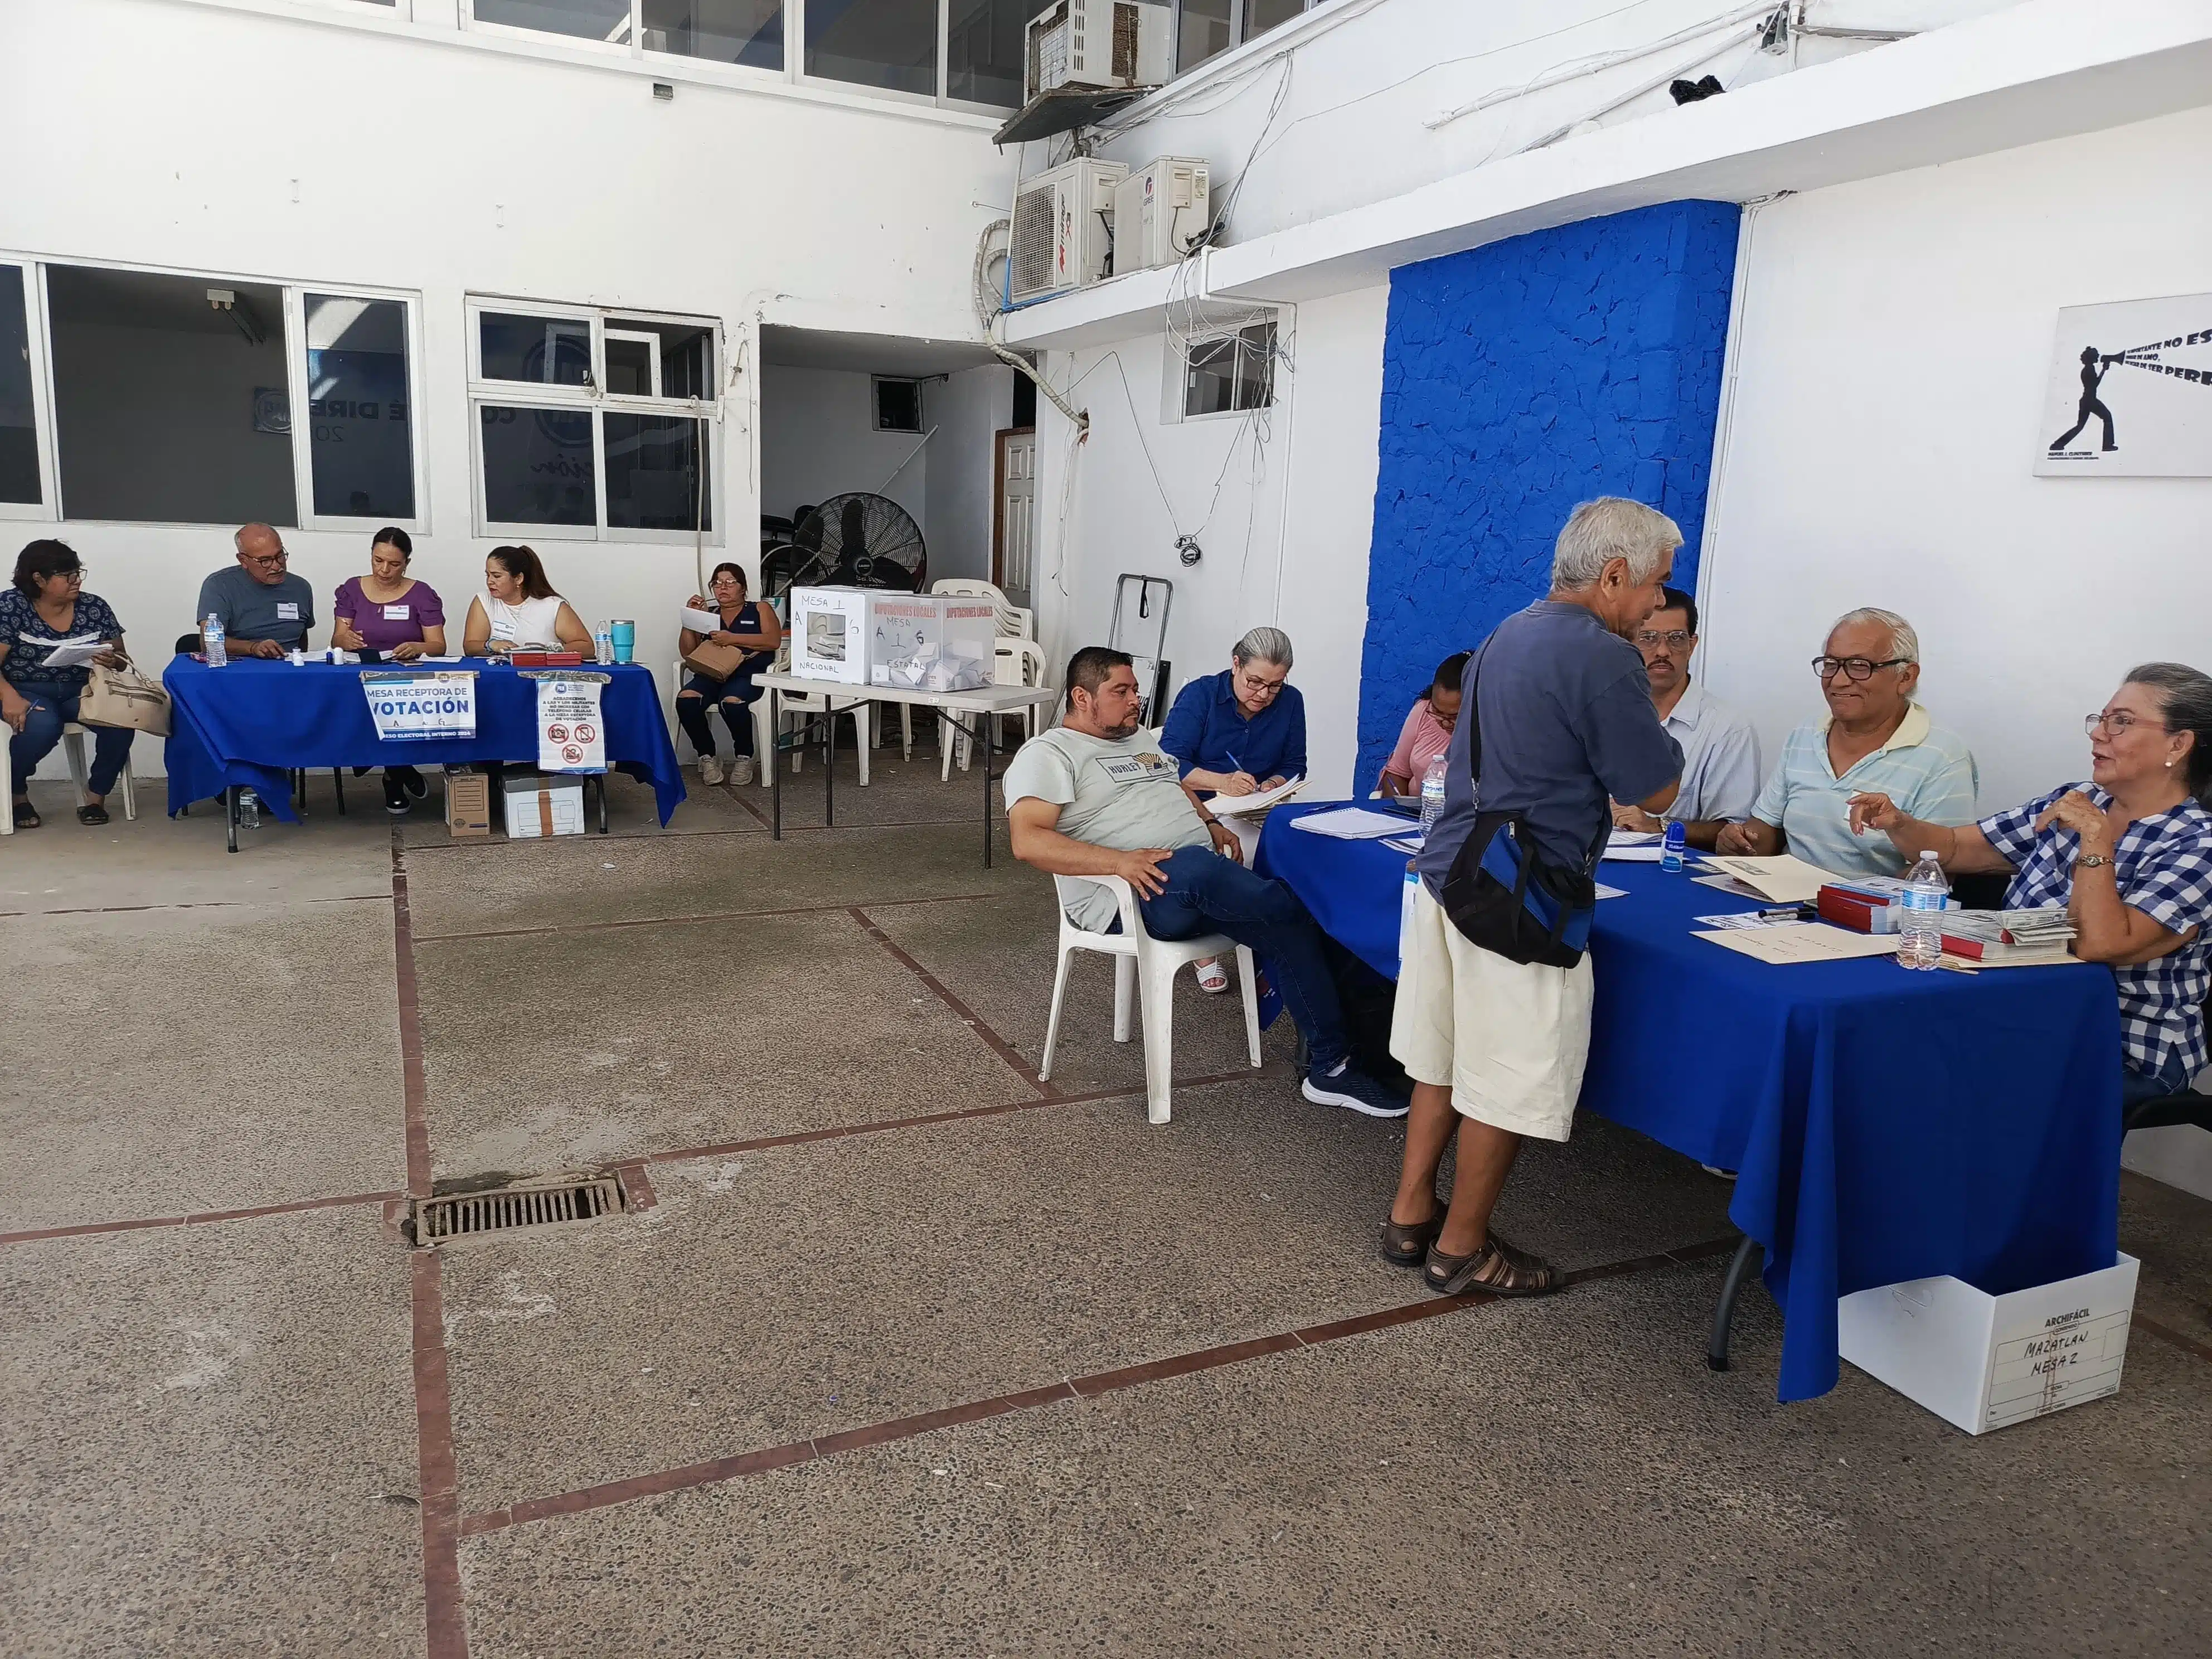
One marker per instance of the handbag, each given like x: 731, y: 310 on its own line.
x: 1502, y: 892
x: 125, y: 697
x: 716, y: 662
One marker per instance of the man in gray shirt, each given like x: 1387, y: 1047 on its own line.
x: 265, y: 610
x: 1496, y: 1047
x: 1720, y: 750
x: 1095, y: 796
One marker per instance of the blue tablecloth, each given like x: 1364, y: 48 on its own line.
x: 1888, y: 1125
x: 251, y: 721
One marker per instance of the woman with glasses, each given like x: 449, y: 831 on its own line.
x: 1238, y: 733
x: 1428, y: 729
x: 1875, y: 739
x: 2129, y: 854
x: 398, y: 618
x: 46, y: 605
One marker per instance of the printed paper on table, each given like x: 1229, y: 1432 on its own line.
x: 418, y: 707
x: 571, y: 736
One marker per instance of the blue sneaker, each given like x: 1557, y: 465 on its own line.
x: 1350, y: 1087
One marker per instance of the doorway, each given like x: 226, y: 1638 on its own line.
x: 1013, y: 515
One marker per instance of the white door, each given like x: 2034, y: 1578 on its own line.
x: 1016, y: 515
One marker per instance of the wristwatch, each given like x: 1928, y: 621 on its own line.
x: 2093, y: 859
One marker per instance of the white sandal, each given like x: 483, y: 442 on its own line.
x: 1213, y: 977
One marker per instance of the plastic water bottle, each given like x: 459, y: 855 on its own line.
x: 602, y: 643
x: 249, y: 810
x: 211, y: 639
x: 1432, y: 793
x: 1920, y: 925
x: 1671, y: 849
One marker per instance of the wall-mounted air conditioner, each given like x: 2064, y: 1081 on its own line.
x: 1062, y: 236
x: 1161, y: 212
x: 1103, y: 43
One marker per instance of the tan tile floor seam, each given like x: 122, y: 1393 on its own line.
x: 695, y: 916
x: 759, y: 1461
x: 2167, y: 1333
x: 999, y: 1046
x: 198, y: 1219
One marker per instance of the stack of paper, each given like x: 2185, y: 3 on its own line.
x: 1350, y: 823
x: 1779, y: 879
x: 1802, y: 941
x: 1261, y: 800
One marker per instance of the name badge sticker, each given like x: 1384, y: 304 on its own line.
x: 288, y: 610
x: 395, y: 613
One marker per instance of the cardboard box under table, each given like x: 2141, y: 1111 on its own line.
x: 468, y: 801
x: 537, y: 804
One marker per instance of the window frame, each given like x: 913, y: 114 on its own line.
x: 596, y: 401
x: 44, y: 396
x: 1237, y: 36
x: 1175, y: 390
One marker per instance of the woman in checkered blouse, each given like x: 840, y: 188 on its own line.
x: 2130, y: 853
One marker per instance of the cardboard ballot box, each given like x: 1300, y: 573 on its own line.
x: 932, y: 641
x: 1981, y: 1362
x: 538, y: 806
x: 468, y: 801
x: 829, y: 632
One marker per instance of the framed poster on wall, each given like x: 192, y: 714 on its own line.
x: 2129, y: 392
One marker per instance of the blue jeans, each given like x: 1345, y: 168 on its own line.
x: 51, y: 708
x: 2136, y: 1087
x: 1206, y: 893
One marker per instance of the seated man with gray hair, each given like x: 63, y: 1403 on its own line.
x: 1095, y: 797
x: 1244, y: 729
x: 1875, y: 739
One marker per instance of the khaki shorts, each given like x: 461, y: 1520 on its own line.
x: 1509, y: 1038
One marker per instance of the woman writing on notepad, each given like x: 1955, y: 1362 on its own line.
x: 754, y: 631
x: 2129, y: 854
x: 518, y: 610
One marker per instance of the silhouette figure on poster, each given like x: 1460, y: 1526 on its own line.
x: 2094, y: 368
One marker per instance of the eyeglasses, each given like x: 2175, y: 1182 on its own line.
x: 2119, y: 724
x: 1676, y: 638
x: 1258, y: 688
x: 267, y: 561
x: 1859, y: 668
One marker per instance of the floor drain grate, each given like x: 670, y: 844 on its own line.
x: 533, y: 1206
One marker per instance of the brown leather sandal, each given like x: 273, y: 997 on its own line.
x: 1496, y: 1268
x: 1407, y: 1244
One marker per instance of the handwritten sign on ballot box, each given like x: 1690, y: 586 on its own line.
x: 418, y: 707
x: 571, y: 736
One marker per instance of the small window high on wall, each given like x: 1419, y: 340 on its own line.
x: 592, y: 424
x: 1229, y: 374
x: 22, y: 485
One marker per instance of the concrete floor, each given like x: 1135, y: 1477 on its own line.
x: 903, y: 1350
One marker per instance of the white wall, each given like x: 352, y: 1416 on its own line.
x: 1893, y: 345
x: 284, y: 149
x: 1281, y: 505
x: 819, y: 438
x: 969, y: 410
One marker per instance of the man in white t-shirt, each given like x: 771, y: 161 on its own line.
x: 1095, y: 796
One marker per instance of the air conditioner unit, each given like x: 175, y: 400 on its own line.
x: 1161, y: 212
x: 1060, y: 237
x: 1101, y: 44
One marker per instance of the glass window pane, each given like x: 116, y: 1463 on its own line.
x: 655, y: 472
x: 1261, y: 15
x: 984, y: 51
x: 584, y: 20
x: 748, y: 32
x: 171, y: 398
x: 537, y: 466
x: 359, y: 447
x: 629, y: 367
x: 548, y: 350
x: 687, y: 356
x: 1205, y: 32
x: 1256, y: 367
x: 875, y: 43
x: 19, y: 431
x: 1209, y: 386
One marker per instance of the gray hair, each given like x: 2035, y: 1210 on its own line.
x: 1263, y: 645
x: 1612, y: 527
x: 1903, y: 640
x: 2184, y: 695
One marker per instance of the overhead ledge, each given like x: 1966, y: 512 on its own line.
x: 2044, y: 69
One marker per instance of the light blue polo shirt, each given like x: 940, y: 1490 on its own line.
x: 1928, y: 772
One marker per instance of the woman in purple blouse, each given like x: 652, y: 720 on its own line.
x: 390, y: 612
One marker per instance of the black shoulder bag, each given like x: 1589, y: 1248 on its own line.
x: 1501, y: 892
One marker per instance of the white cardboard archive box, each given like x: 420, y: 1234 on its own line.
x: 829, y: 633
x: 541, y: 806
x: 1981, y: 1362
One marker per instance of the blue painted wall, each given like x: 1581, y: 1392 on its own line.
x: 1517, y: 380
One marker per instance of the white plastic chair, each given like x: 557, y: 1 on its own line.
x: 1015, y: 662
x: 1139, y: 956
x: 73, y: 736
x: 1015, y: 621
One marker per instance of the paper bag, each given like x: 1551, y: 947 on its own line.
x: 716, y: 662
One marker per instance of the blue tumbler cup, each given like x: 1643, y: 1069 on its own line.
x: 625, y: 636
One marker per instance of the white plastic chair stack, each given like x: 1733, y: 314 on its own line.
x: 1139, y: 956
x: 1014, y: 623
x: 1015, y: 662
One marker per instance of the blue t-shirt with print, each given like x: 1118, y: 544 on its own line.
x: 1568, y: 727
x: 28, y: 637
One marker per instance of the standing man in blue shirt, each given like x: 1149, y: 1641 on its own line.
x: 1244, y: 730
x: 1496, y: 1046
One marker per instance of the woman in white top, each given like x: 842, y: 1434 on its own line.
x: 518, y: 610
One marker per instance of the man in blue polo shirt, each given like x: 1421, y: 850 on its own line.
x: 1244, y: 730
